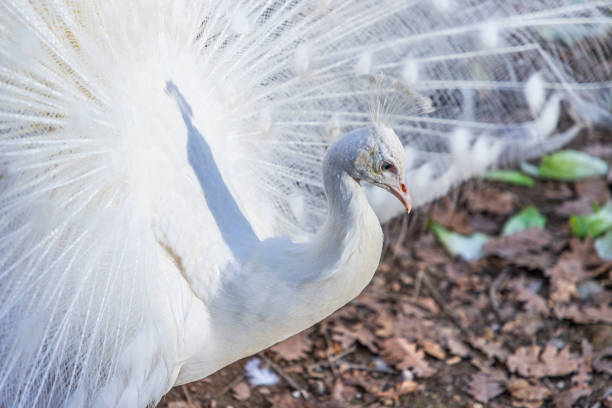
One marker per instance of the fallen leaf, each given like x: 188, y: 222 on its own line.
x: 342, y: 392
x: 524, y: 324
x: 286, y: 400
x: 453, y: 360
x: 568, y: 398
x: 603, y: 361
x: 364, y: 380
x: 184, y: 404
x: 603, y: 246
x: 466, y: 247
x: 402, y: 388
x: 581, y: 206
x: 433, y: 349
x: 346, y: 336
x: 385, y: 324
x: 523, y: 390
x: 241, y: 391
x: 511, y: 177
x: 404, y: 355
x: 593, y: 224
x: 493, y: 349
x: 446, y: 213
x: 533, y: 362
x: 600, y: 314
x: 294, y: 348
x: 594, y: 190
x: 490, y: 200
x: 563, y: 276
x: 532, y: 301
x: 483, y: 388
x: 557, y: 192
x: 528, y: 218
x: 571, y: 165
x: 457, y: 347
x: 427, y: 250
x: 519, y: 243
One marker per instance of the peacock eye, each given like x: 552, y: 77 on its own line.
x: 387, y: 166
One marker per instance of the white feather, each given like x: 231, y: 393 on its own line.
x: 132, y: 133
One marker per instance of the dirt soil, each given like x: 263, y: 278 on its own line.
x: 529, y: 325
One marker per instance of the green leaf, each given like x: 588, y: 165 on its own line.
x: 510, y: 176
x: 571, y: 165
x: 603, y: 246
x: 466, y: 247
x: 594, y: 224
x: 530, y: 217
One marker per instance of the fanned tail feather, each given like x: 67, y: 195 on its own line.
x: 271, y: 85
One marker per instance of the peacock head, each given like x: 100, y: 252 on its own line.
x: 376, y: 155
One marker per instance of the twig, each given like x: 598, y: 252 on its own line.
x: 440, y: 301
x: 187, y: 394
x: 493, y: 293
x: 364, y: 367
x: 338, y: 356
x: 292, y: 383
x: 417, y: 285
x: 334, y: 358
x: 229, y: 386
x: 329, y: 343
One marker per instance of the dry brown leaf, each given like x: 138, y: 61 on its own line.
x: 346, y: 336
x: 429, y: 304
x: 602, y: 361
x: 483, y: 388
x: 490, y: 200
x: 590, y: 314
x: 428, y: 250
x: 524, y: 391
x: 294, y: 348
x: 433, y: 349
x: 602, y: 314
x: 567, y: 398
x: 409, y: 326
x: 286, y: 400
x: 493, y: 349
x: 184, y: 404
x: 533, y: 362
x: 364, y: 380
x: 405, y: 355
x: 453, y: 360
x: 524, y: 324
x: 563, y: 276
x: 445, y: 213
x: 581, y: 206
x: 557, y: 191
x: 241, y: 391
x: 593, y: 189
x: 402, y: 388
x: 457, y: 347
x: 512, y: 246
x: 342, y: 392
x: 385, y: 323
x: 532, y: 301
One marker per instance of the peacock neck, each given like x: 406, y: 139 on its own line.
x: 287, y: 287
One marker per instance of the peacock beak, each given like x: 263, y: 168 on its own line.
x: 401, y: 192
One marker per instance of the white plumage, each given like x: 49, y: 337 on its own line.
x: 147, y: 147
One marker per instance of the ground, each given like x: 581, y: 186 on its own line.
x: 529, y: 325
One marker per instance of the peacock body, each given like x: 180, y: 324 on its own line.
x: 147, y: 146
